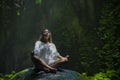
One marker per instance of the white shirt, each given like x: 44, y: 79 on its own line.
x: 47, y: 52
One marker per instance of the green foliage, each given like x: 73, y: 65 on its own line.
x: 7, y: 76
x: 109, y: 53
x: 108, y: 33
x: 108, y: 75
x: 38, y: 1
x: 18, y: 13
x: 72, y: 31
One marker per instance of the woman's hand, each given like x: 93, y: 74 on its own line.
x: 65, y: 58
x: 49, y: 68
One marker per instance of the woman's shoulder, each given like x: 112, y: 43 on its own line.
x: 38, y: 42
x: 52, y: 44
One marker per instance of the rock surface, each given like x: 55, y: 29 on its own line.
x: 29, y: 74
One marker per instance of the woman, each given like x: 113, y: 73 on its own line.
x: 46, y: 56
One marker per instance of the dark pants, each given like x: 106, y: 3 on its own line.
x: 37, y: 63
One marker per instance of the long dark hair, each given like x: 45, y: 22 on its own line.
x: 42, y: 36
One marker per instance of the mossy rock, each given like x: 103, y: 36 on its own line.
x: 29, y: 74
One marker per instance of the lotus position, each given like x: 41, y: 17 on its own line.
x: 45, y: 55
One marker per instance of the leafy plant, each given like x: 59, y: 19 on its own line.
x: 109, y: 53
x: 6, y: 76
x: 108, y: 75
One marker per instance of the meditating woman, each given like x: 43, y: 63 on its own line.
x: 45, y: 56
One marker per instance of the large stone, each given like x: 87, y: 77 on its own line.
x: 29, y: 74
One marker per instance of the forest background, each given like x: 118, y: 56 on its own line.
x: 87, y: 30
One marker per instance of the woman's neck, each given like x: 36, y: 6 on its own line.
x: 46, y: 41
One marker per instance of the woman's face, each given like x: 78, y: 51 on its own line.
x: 46, y: 34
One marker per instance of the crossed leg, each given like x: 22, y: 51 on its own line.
x: 39, y: 66
x: 57, y: 63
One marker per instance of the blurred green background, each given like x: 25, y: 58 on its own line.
x: 87, y: 30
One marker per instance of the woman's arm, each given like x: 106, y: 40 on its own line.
x: 63, y: 58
